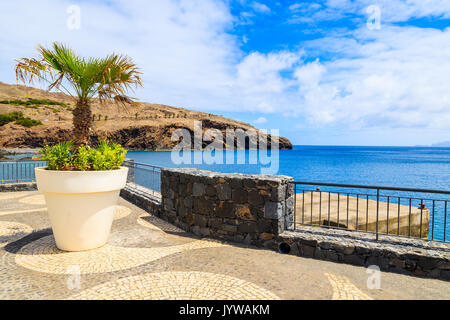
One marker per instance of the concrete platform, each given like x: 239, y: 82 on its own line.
x: 147, y: 258
x: 361, y: 214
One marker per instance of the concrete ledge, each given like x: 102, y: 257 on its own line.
x: 401, y: 255
x: 15, y: 187
x: 142, y: 198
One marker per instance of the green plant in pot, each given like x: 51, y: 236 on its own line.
x: 81, y: 183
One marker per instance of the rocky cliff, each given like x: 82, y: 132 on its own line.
x: 143, y: 126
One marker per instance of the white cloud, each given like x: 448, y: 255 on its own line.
x: 182, y: 47
x: 310, y: 74
x: 259, y: 82
x: 400, y: 10
x: 260, y: 120
x: 304, y: 7
x: 261, y: 72
x: 391, y: 10
x: 245, y: 18
x: 260, y: 7
x: 395, y: 10
x: 295, y: 6
x: 396, y: 77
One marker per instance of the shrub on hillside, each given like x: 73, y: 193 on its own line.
x: 28, y: 122
x: 10, y: 117
x: 33, y: 102
x: 19, y: 119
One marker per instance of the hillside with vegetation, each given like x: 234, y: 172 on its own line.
x: 33, y: 118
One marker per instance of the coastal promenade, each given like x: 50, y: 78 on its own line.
x: 147, y: 258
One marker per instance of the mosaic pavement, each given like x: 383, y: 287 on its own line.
x: 148, y: 258
x: 178, y: 286
x: 343, y: 289
x: 10, y: 231
x: 43, y: 256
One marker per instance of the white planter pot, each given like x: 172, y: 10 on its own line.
x: 81, y: 205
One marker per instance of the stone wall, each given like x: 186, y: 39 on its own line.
x: 15, y: 187
x: 252, y: 209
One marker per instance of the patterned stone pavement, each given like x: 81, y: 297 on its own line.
x: 190, y: 285
x: 343, y: 289
x: 147, y: 258
x: 10, y: 231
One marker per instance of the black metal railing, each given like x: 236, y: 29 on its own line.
x: 408, y: 212
x: 143, y: 177
x: 19, y: 171
x: 140, y: 175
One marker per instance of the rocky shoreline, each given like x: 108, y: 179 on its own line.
x: 17, y: 151
x: 132, y: 140
x: 140, y: 127
x: 18, y: 140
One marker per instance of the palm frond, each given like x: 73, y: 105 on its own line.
x: 109, y: 79
x: 119, y: 76
x: 28, y: 70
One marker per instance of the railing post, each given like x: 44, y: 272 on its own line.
x: 295, y: 206
x: 445, y: 220
x: 378, y: 207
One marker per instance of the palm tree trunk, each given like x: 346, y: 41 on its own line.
x: 82, y: 122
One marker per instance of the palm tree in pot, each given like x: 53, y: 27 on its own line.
x: 108, y: 79
x: 81, y: 184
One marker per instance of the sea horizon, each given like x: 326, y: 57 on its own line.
x: 326, y: 164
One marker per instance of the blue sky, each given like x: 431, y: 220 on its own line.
x: 323, y: 72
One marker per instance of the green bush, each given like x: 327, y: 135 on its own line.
x: 29, y: 102
x: 19, y: 119
x: 28, y: 122
x: 58, y: 157
x: 65, y: 156
x: 10, y: 117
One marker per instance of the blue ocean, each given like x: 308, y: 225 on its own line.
x: 408, y: 167
x: 413, y: 167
